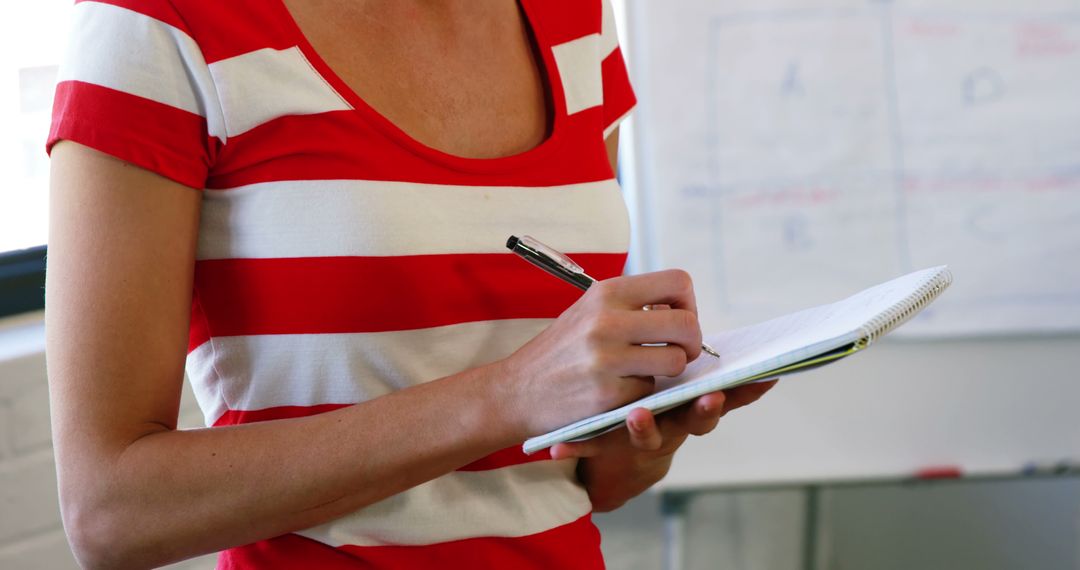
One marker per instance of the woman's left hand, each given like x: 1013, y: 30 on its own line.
x: 621, y: 464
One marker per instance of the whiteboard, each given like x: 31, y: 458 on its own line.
x: 791, y: 152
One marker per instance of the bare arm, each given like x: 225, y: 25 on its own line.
x: 121, y: 255
x: 612, y: 144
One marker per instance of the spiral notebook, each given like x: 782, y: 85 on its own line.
x: 785, y: 345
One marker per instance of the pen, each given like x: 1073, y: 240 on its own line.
x: 530, y: 249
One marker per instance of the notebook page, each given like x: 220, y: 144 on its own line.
x: 790, y: 338
x: 760, y: 348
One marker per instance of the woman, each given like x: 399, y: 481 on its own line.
x: 310, y: 200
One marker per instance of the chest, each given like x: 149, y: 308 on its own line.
x: 461, y: 77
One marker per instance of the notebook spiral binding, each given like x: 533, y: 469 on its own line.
x: 899, y: 313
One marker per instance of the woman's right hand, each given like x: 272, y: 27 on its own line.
x: 591, y: 359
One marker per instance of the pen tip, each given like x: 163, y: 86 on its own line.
x: 510, y: 243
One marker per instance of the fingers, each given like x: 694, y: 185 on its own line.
x: 626, y: 331
x: 703, y: 414
x: 652, y: 360
x: 606, y: 443
x: 615, y: 325
x: 673, y: 326
x: 644, y: 433
x: 633, y: 387
x: 700, y: 416
x: 579, y: 449
x: 747, y: 394
x: 672, y: 287
x: 647, y: 434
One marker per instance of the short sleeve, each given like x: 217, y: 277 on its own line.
x: 619, y: 97
x: 134, y: 84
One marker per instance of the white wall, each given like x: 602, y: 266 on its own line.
x: 31, y: 535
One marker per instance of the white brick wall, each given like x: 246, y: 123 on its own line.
x: 31, y: 534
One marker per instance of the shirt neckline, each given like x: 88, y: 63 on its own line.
x: 387, y: 127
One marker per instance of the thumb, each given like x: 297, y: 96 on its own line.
x: 577, y: 449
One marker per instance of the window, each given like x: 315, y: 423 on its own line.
x: 31, y: 46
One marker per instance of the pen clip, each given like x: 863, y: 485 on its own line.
x: 556, y: 256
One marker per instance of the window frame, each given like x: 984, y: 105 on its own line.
x: 22, y: 280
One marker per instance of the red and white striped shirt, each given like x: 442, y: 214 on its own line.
x: 339, y: 259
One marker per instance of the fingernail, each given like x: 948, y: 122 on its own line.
x: 636, y: 425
